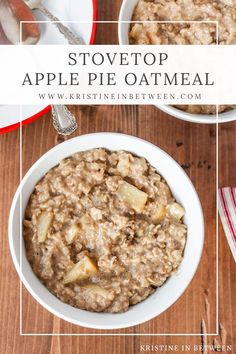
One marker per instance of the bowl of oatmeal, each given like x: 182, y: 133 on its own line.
x: 109, y: 238
x: 132, y: 30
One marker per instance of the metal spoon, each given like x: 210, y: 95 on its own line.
x: 63, y: 120
x: 71, y: 37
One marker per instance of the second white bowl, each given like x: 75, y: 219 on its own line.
x: 125, y: 16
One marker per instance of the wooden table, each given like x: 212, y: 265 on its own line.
x: 194, y: 147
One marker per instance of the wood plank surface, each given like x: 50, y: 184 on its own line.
x: 191, y: 145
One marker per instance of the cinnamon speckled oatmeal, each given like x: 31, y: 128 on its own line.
x: 102, y: 230
x: 223, y: 11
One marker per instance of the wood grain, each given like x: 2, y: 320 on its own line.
x: 191, y: 145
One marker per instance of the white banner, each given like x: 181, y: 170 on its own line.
x: 113, y: 74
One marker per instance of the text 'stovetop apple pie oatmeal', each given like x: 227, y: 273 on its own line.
x: 102, y: 230
x: 222, y: 11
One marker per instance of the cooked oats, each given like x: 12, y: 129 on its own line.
x: 102, y: 230
x: 223, y: 11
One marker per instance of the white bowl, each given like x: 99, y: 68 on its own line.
x: 183, y: 191
x: 125, y: 16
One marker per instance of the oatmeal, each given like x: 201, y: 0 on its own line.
x: 223, y: 11
x: 102, y: 230
x: 204, y: 109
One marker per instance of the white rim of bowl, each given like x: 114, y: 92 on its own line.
x: 11, y: 236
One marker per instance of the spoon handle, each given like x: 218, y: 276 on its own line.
x: 63, y: 120
x: 67, y: 33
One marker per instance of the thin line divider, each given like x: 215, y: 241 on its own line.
x: 146, y: 21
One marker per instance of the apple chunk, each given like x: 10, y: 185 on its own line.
x: 43, y: 224
x: 131, y: 195
x: 72, y: 233
x: 84, y: 269
x: 96, y: 289
x: 176, y: 211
